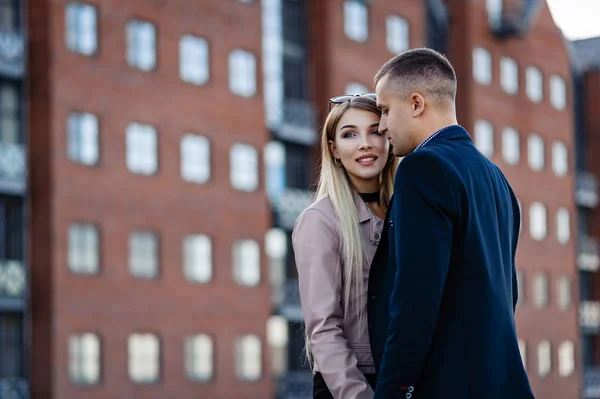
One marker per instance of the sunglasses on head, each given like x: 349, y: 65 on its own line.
x: 342, y: 99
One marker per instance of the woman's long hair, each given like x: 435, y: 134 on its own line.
x: 335, y: 183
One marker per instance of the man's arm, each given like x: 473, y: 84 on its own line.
x: 516, y: 232
x: 424, y: 205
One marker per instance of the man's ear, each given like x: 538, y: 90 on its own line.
x: 333, y: 149
x: 417, y: 102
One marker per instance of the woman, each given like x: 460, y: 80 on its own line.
x: 334, y: 242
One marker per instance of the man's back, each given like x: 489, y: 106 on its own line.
x: 463, y: 341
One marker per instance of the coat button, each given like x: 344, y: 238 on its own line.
x: 376, y: 235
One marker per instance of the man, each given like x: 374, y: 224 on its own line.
x: 442, y: 294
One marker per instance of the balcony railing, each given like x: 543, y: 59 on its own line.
x: 290, y: 303
x: 12, y: 54
x: 591, y: 383
x: 586, y: 191
x: 514, y: 18
x: 295, y: 385
x: 588, y: 256
x: 589, y: 316
x: 298, y: 124
x: 289, y: 205
x: 12, y: 167
x: 13, y: 388
x: 12, y: 279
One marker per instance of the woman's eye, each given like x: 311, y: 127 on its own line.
x: 347, y: 134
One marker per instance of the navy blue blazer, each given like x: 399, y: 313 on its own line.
x: 442, y: 292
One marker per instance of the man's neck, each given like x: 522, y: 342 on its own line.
x: 435, y: 125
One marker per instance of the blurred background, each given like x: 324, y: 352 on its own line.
x: 154, y: 156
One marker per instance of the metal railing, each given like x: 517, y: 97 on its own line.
x: 12, y: 279
x: 591, y: 383
x: 586, y: 190
x: 588, y: 254
x: 295, y: 385
x: 299, y: 122
x: 589, y: 316
x: 12, y: 165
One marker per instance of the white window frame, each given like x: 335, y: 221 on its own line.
x: 536, y: 152
x: 81, y: 28
x: 144, y: 254
x: 243, y: 161
x: 566, y: 359
x: 84, y: 248
x: 82, y: 138
x: 534, y: 84
x: 356, y: 20
x: 511, y: 146
x: 247, y: 263
x: 242, y: 73
x: 538, y: 215
x: 353, y: 88
x: 199, y: 357
x: 564, y: 293
x: 560, y: 159
x: 142, y: 149
x: 541, y: 290
x: 523, y: 352
x: 482, y: 66
x: 563, y: 226
x: 195, y: 158
x: 248, y: 358
x: 544, y: 352
x: 85, y: 359
x: 397, y: 34
x: 509, y: 75
x: 194, y: 65
x: 141, y: 44
x: 484, y: 137
x: 558, y: 92
x: 197, y: 258
x: 144, y: 358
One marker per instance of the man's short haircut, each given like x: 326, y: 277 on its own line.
x: 420, y: 70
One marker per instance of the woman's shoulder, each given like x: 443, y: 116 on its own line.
x: 320, y: 211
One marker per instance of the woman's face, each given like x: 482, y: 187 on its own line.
x: 360, y: 148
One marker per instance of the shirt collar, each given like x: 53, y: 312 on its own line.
x: 428, y: 139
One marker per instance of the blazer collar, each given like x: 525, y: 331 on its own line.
x: 453, y: 132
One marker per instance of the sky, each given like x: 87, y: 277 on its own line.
x: 578, y: 19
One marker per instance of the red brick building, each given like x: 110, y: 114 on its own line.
x: 172, y: 144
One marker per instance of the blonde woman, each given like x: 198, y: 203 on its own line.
x: 334, y: 242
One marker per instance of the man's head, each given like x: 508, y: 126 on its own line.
x: 416, y: 91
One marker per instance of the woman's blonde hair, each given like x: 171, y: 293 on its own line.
x: 335, y: 183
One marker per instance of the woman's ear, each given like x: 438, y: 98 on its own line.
x: 333, y: 149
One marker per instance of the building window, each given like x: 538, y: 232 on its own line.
x: 559, y: 158
x: 199, y: 357
x: 143, y: 254
x: 141, y: 45
x: 523, y: 352
x: 12, y: 343
x: 397, y: 34
x: 566, y: 359
x: 82, y: 31
x: 242, y: 73
x: 563, y: 291
x: 82, y: 138
x: 558, y: 92
x: 509, y: 75
x: 494, y: 11
x: 482, y: 66
x: 243, y: 159
x: 9, y: 15
x: 535, y: 152
x: 142, y: 155
x: 484, y: 137
x: 278, y: 340
x: 520, y: 286
x: 248, y: 358
x: 537, y: 221
x: 356, y: 20
x: 544, y: 358
x: 84, y: 359
x: 354, y: 88
x: 9, y: 113
x: 274, y: 159
x: 84, y: 248
x: 144, y: 358
x: 534, y: 85
x: 540, y: 290
x: 511, y: 152
x: 246, y: 263
x: 197, y: 258
x: 195, y: 158
x: 193, y: 60
x: 563, y: 226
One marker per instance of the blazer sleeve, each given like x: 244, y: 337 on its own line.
x: 317, y: 251
x: 516, y: 232
x: 424, y: 209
